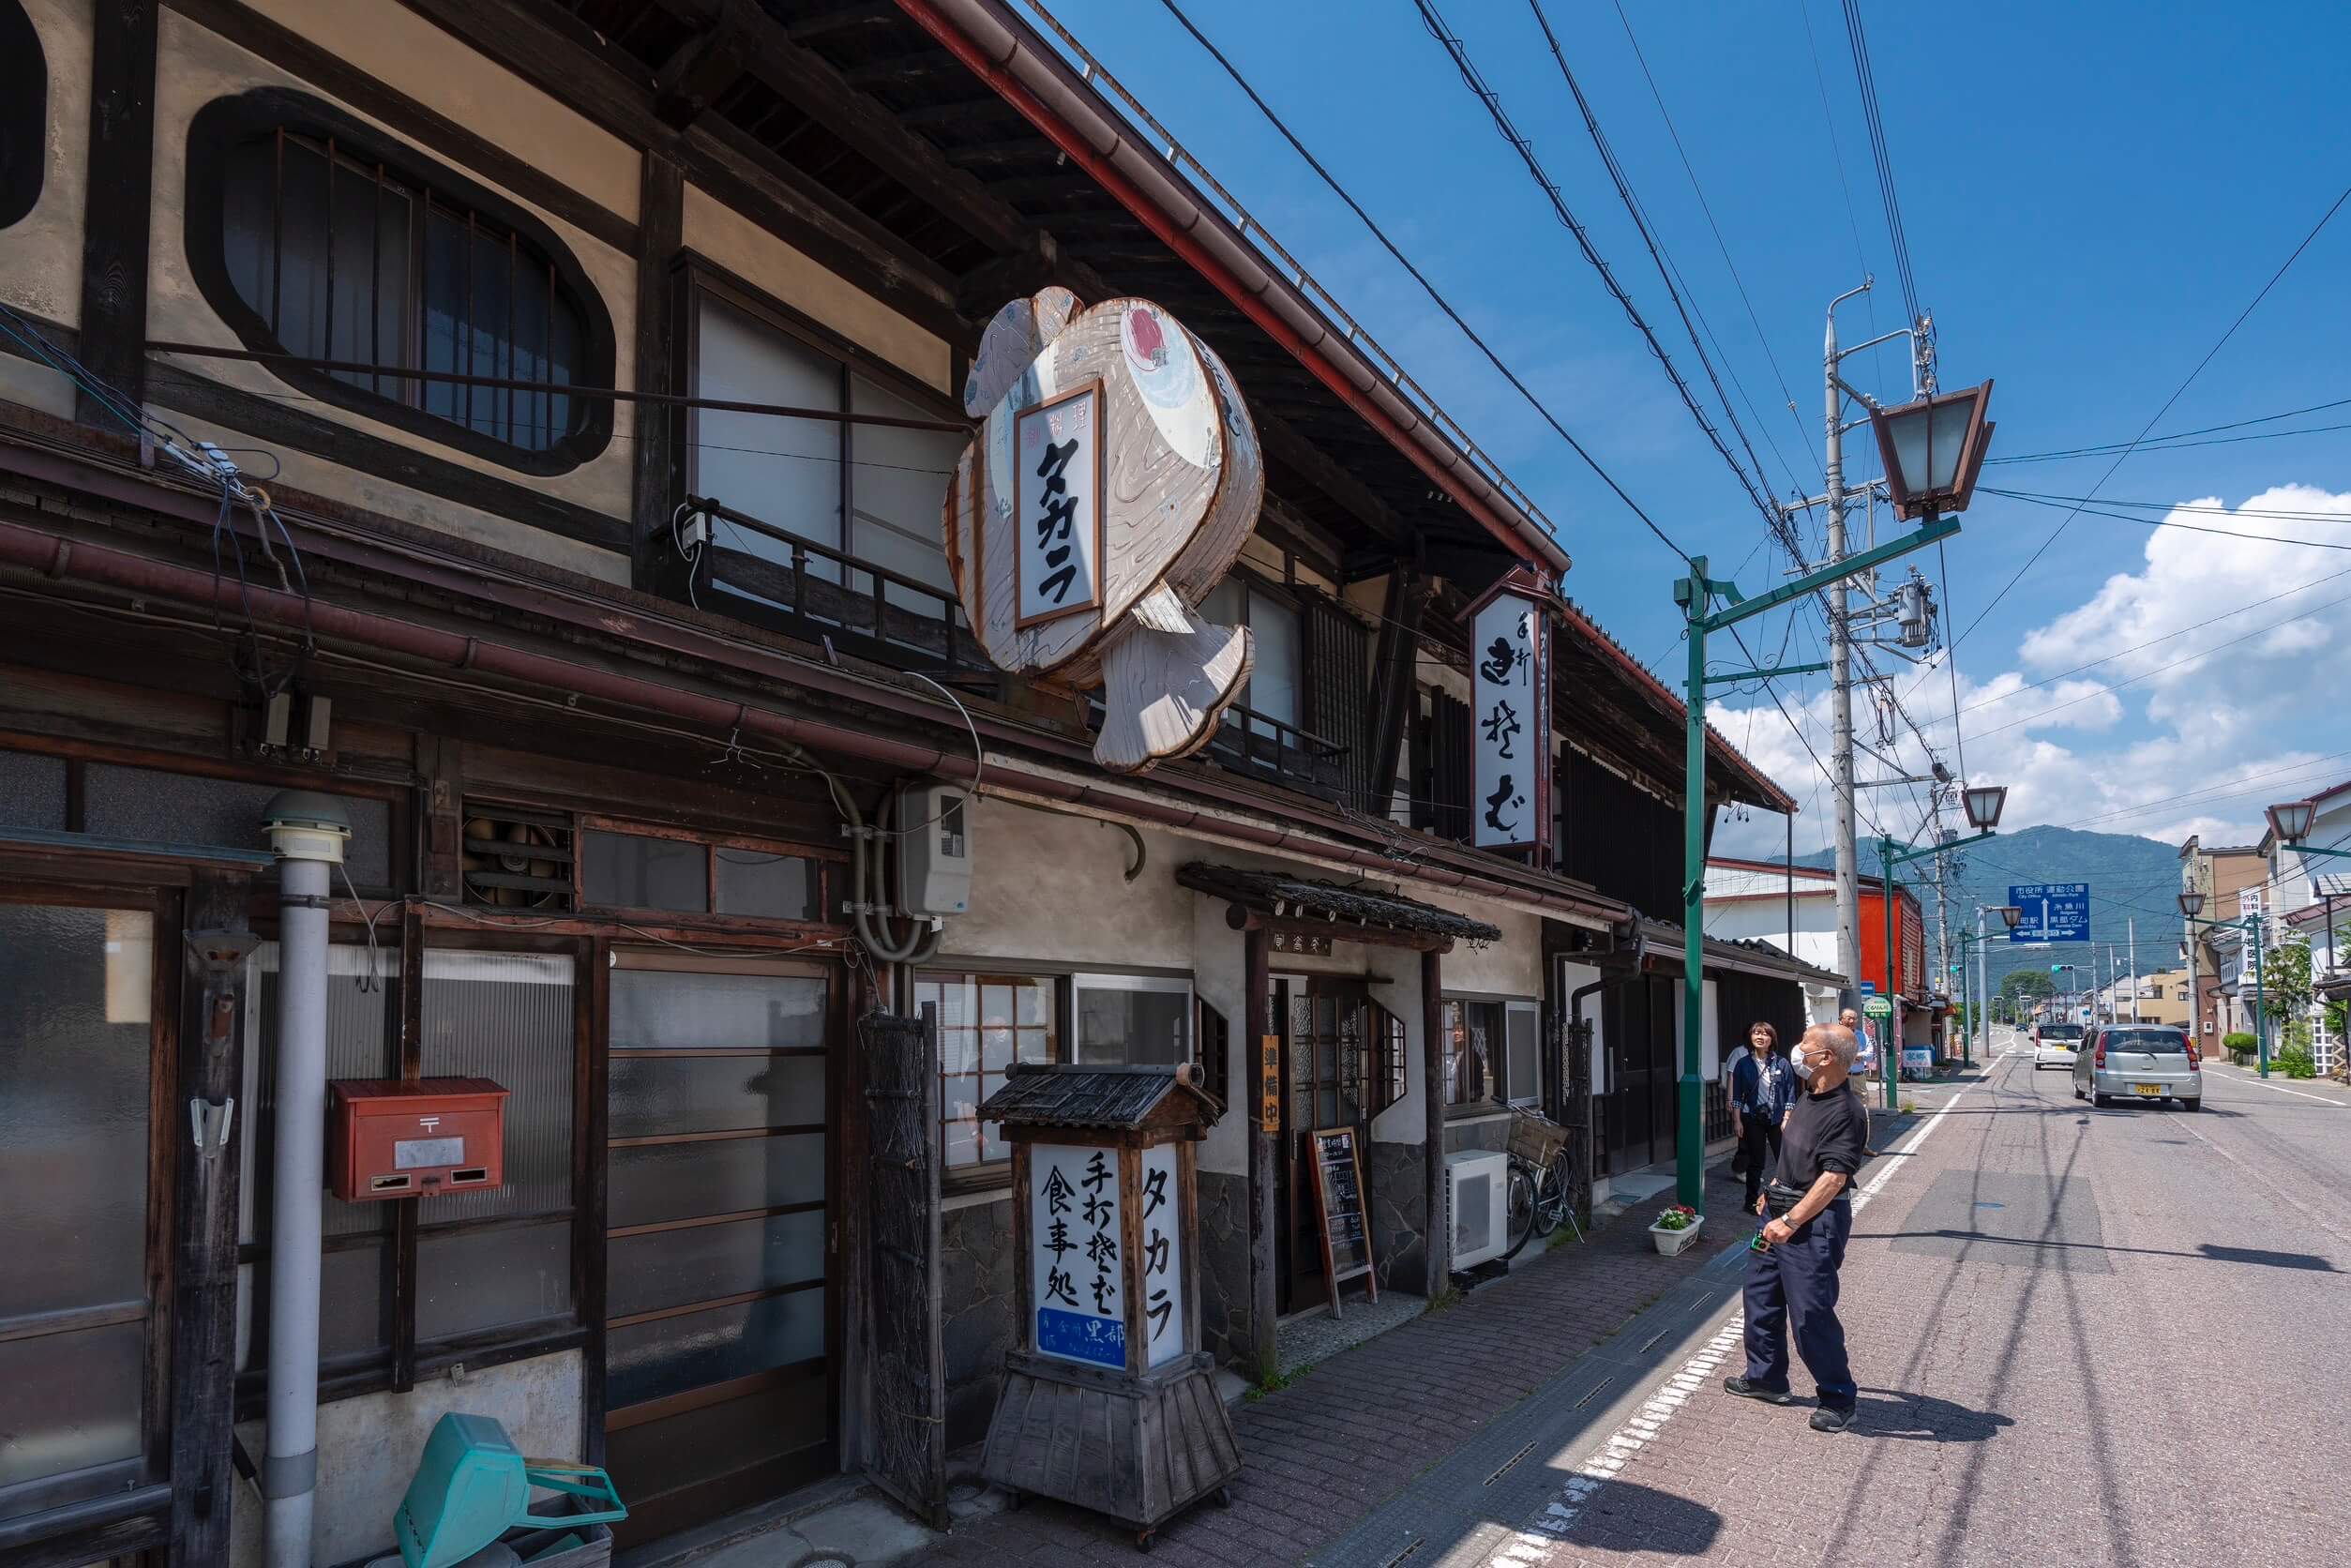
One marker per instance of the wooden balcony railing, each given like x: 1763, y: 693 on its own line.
x: 822, y: 592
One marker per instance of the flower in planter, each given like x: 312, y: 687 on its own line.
x: 1680, y: 1216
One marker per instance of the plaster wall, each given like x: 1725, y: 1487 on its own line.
x: 742, y: 246
x: 43, y: 274
x: 368, y: 1446
x: 196, y: 65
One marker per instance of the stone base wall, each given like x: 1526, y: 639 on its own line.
x: 976, y: 1296
x: 1224, y: 1330
x: 1399, y: 1215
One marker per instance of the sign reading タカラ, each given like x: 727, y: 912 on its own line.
x: 1076, y: 1279
x: 1160, y: 1227
x: 1057, y: 489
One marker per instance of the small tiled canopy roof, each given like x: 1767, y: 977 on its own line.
x: 1278, y: 893
x: 1038, y: 1096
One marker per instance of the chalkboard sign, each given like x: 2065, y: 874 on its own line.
x: 1338, y: 1189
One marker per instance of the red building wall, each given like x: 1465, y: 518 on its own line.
x: 1911, y: 967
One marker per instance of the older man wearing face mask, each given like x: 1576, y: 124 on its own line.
x: 1792, y: 1272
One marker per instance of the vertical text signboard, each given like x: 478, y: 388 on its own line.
x: 1057, y: 489
x: 1510, y: 721
x: 1075, y: 1272
x: 1161, y: 1229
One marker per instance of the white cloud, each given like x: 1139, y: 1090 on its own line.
x: 2204, y: 705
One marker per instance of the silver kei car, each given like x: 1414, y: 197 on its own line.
x: 2139, y: 1061
x: 2054, y: 1045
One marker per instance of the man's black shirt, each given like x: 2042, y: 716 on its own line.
x: 1824, y: 1133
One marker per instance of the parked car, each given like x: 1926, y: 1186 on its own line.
x: 2139, y: 1061
x: 2055, y: 1045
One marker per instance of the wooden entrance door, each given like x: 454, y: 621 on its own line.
x: 1638, y: 1021
x: 721, y: 1325
x: 1326, y: 1067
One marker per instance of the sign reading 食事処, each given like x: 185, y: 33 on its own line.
x: 1510, y: 715
x: 1076, y: 1274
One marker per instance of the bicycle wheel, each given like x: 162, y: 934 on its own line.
x: 1551, y: 1196
x: 1521, y: 1222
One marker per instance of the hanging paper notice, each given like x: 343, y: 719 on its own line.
x: 1075, y: 1272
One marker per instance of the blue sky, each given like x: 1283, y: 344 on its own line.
x: 2092, y: 192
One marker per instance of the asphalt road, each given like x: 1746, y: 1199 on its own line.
x: 2082, y: 1336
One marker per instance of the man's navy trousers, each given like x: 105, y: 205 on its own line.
x: 1793, y: 1286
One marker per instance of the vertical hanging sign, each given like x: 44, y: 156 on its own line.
x: 1057, y: 503
x: 1510, y: 717
x: 1075, y: 1272
x: 1161, y: 1229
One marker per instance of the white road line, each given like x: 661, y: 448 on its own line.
x: 2281, y: 1089
x: 1531, y: 1545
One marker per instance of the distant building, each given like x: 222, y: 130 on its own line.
x: 2220, y: 872
x: 1795, y: 911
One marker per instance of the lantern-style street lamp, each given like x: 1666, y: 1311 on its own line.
x: 1984, y: 803
x: 1933, y: 450
x: 2290, y: 819
x: 2192, y: 904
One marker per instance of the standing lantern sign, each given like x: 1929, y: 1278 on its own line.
x: 1108, y: 1401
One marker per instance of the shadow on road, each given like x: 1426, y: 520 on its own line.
x: 1887, y: 1413
x: 2206, y: 1251
x: 1624, y: 1515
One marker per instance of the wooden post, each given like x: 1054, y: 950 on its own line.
x: 1433, y: 1091
x: 660, y: 230
x: 1257, y: 947
x: 116, y: 217
x: 211, y: 1038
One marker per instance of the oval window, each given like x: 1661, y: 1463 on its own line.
x: 320, y: 238
x: 23, y: 112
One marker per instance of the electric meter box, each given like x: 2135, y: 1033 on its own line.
x: 389, y: 1137
x: 935, y: 849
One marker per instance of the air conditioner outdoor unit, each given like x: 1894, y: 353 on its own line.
x: 1477, y: 1195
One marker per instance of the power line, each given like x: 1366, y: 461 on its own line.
x: 2152, y: 443
x: 2082, y: 508
x: 1472, y: 79
x: 2176, y: 393
x: 1418, y: 277
x: 1867, y: 81
x: 2222, y: 511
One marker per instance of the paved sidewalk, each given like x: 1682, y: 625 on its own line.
x: 1359, y: 1427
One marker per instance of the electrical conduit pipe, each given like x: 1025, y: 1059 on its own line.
x: 307, y: 831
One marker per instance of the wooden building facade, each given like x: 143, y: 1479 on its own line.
x: 386, y: 410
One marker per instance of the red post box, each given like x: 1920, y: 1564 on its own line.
x: 388, y: 1137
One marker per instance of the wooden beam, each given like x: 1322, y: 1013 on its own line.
x: 1020, y: 149
x: 1397, y: 687
x: 661, y: 234
x: 702, y: 67
x: 1257, y: 971
x: 857, y: 17
x: 1294, y: 452
x: 1439, y: 1241
x: 115, y: 212
x: 211, y: 1001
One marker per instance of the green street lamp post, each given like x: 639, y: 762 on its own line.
x: 1984, y: 803
x: 2010, y: 916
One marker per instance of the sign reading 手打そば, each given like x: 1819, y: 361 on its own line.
x: 1075, y: 1269
x: 1510, y: 719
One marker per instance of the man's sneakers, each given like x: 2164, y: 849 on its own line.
x: 1829, y: 1418
x: 1746, y: 1390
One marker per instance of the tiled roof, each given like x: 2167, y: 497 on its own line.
x: 1281, y: 894
x: 1066, y: 1096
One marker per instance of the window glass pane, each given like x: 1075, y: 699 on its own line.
x: 1274, y: 670
x: 655, y: 1183
x: 1522, y: 1081
x: 986, y: 1023
x: 896, y: 483
x: 666, y: 1010
x: 693, y: 1350
x: 771, y: 886
x: 784, y: 471
x: 506, y: 1017
x: 352, y: 1304
x: 249, y: 222
x: 32, y: 791
x: 444, y: 298
x: 359, y: 991
x: 300, y: 304
x: 1121, y: 1025
x: 630, y: 871
x: 660, y: 1269
x: 185, y: 809
x: 73, y: 1102
x: 73, y: 1401
x: 485, y: 1280
x: 490, y: 319
x: 654, y: 1095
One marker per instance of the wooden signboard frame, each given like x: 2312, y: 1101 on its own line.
x: 1322, y: 1162
x: 1089, y: 390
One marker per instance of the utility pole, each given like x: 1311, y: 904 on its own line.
x: 2134, y: 969
x: 1840, y: 660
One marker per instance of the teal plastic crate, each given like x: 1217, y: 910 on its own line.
x: 473, y: 1485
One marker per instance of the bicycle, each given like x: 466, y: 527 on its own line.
x: 1539, y: 1188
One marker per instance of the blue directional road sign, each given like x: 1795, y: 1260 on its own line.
x: 2054, y: 911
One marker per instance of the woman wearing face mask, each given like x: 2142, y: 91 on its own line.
x: 1762, y: 1088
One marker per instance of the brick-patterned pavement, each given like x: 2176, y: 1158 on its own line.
x: 1354, y: 1429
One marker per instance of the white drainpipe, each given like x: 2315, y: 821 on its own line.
x: 307, y: 831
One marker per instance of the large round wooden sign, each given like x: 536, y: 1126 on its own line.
x: 1111, y: 489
